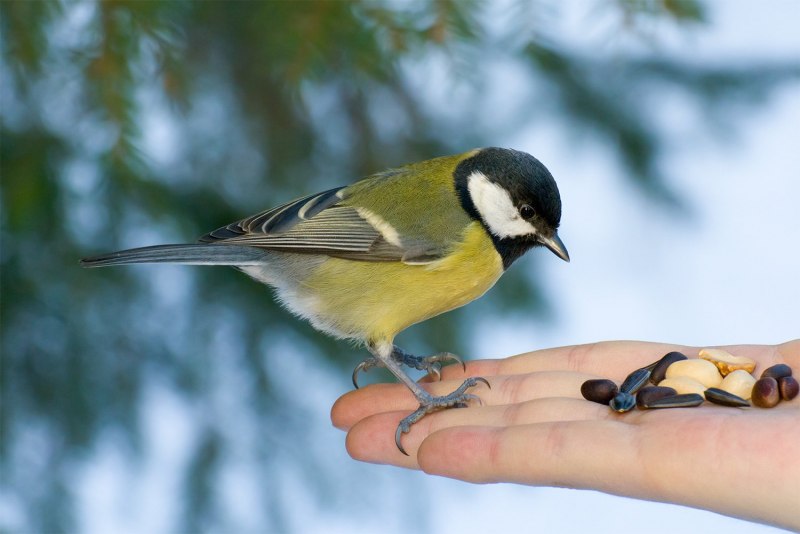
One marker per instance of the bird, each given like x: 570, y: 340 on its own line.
x: 365, y: 261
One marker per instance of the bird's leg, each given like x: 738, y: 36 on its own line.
x: 430, y: 364
x: 384, y: 353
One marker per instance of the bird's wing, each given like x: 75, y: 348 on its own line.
x: 319, y: 224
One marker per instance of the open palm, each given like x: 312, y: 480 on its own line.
x: 535, y: 428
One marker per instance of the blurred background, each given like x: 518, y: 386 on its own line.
x: 183, y: 399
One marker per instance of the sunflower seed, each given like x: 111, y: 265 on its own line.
x: 725, y: 398
x: 686, y: 400
x: 623, y: 402
x: 650, y: 393
x: 635, y: 380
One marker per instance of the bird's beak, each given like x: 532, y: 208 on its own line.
x: 555, y: 244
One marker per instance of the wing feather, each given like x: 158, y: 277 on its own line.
x: 318, y: 224
x: 277, y: 219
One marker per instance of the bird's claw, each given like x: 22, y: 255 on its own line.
x: 402, y: 428
x: 422, y: 363
x: 430, y: 364
x: 366, y: 365
x: 457, y: 399
x: 481, y: 379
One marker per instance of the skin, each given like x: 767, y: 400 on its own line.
x: 739, y: 462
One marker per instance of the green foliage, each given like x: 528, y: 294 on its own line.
x: 130, y: 123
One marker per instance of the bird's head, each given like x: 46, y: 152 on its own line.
x: 516, y: 199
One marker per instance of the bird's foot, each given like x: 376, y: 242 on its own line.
x: 430, y: 364
x: 457, y: 399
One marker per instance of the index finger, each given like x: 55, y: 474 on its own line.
x: 616, y: 359
x: 610, y: 359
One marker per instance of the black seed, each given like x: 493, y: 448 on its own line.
x: 685, y: 400
x: 622, y: 402
x: 599, y: 390
x: 789, y: 387
x: 660, y: 367
x: 777, y: 371
x: 766, y: 393
x: 650, y: 393
x: 722, y: 397
x: 635, y: 380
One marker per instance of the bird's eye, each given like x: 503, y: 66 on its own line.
x: 527, y: 211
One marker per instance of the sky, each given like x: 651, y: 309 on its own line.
x: 725, y: 271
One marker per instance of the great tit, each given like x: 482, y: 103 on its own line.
x: 368, y: 260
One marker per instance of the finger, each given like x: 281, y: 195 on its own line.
x: 609, y: 359
x: 471, y: 368
x: 576, y: 454
x: 375, y: 398
x: 612, y: 359
x: 523, y: 413
x: 615, y: 359
x: 355, y: 405
x: 371, y: 439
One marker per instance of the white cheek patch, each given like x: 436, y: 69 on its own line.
x: 388, y: 231
x: 496, y: 208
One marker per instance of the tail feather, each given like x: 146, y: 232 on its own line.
x: 194, y: 254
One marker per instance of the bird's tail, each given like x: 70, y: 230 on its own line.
x: 199, y: 254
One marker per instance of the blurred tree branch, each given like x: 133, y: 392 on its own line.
x: 127, y: 123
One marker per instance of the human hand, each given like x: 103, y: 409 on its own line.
x: 535, y: 428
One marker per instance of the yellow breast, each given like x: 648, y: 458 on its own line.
x: 376, y: 300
